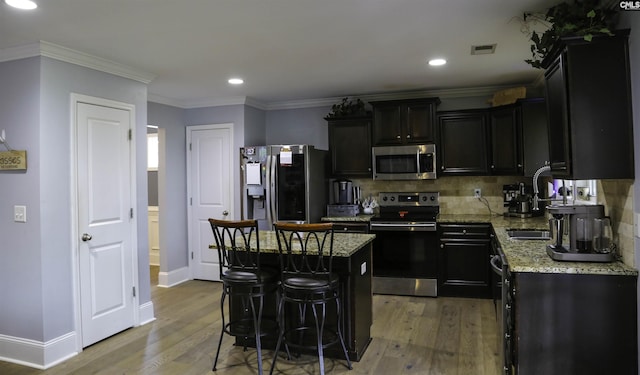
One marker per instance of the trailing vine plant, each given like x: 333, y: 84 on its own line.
x: 584, y: 18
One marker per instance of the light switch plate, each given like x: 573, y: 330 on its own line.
x: 20, y: 214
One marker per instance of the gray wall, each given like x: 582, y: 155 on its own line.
x: 298, y: 126
x: 21, y: 273
x: 37, y: 256
x: 172, y: 187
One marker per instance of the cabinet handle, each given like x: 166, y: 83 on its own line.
x: 464, y: 231
x: 397, y: 137
x: 519, y: 165
x: 408, y: 136
x: 442, y: 167
x: 442, y: 246
x: 493, y: 167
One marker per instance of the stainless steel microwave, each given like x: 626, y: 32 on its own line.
x: 410, y: 162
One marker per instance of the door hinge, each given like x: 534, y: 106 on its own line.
x: 131, y: 213
x: 192, y: 255
x: 134, y: 291
x: 130, y: 134
x: 189, y: 146
x: 190, y: 201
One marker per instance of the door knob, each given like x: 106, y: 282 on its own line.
x: 86, y: 237
x: 225, y: 213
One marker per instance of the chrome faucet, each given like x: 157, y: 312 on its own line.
x: 536, y: 191
x: 536, y: 175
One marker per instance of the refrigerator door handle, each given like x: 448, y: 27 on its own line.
x: 271, y: 190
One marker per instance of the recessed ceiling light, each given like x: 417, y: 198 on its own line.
x: 437, y: 62
x: 236, y: 81
x: 22, y: 4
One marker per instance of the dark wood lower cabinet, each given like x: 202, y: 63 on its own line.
x: 575, y: 324
x: 355, y: 279
x: 463, y: 260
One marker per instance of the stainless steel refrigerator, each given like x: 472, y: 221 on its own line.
x: 283, y: 183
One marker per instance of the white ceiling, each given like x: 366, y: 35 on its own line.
x: 288, y: 50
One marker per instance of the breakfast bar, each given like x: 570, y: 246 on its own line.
x: 352, y: 262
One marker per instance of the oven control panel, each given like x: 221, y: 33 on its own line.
x: 409, y: 199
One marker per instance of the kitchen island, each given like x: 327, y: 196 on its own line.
x: 352, y: 262
x: 561, y: 317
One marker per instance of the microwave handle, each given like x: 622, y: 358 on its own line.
x: 418, y: 160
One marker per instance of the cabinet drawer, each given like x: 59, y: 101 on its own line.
x: 465, y: 232
x: 351, y: 227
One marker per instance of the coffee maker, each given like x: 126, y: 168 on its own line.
x: 518, y: 200
x: 578, y: 233
x: 344, y: 200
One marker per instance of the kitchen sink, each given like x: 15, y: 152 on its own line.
x: 529, y: 234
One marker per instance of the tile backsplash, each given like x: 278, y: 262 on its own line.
x: 456, y: 193
x: 617, y: 197
x: 456, y: 197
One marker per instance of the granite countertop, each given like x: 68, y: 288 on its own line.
x: 344, y: 244
x: 531, y: 255
x: 359, y: 218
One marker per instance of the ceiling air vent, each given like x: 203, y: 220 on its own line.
x: 486, y: 49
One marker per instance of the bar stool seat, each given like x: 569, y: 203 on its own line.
x: 245, y: 281
x: 308, y: 283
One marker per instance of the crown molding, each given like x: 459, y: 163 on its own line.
x: 57, y: 52
x: 71, y: 56
x: 19, y: 52
x: 440, y: 93
x: 328, y: 102
x: 218, y: 102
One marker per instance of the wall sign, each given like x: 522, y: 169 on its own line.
x: 13, y: 160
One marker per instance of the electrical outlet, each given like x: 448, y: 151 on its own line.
x: 477, y: 193
x: 20, y: 214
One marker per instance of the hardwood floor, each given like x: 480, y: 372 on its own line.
x: 411, y: 335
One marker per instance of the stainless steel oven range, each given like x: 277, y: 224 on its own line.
x: 405, y: 249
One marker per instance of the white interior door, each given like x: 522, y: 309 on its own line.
x: 105, y: 226
x: 210, y: 185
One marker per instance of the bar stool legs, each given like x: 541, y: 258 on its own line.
x: 256, y: 315
x: 319, y: 325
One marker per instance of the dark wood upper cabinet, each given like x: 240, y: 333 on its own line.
x: 509, y: 140
x: 589, y: 108
x: 350, y: 146
x: 463, y: 142
x: 397, y: 122
x: 518, y: 134
x: 505, y: 129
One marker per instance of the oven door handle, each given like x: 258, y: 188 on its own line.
x: 495, y: 265
x: 426, y: 227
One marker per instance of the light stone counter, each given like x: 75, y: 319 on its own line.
x: 344, y: 244
x: 530, y: 255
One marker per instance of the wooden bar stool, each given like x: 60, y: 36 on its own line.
x: 244, y: 281
x: 307, y: 283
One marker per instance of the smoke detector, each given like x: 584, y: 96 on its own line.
x: 485, y: 49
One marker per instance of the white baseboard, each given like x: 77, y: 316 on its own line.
x: 145, y: 313
x: 37, y: 354
x: 173, y: 278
